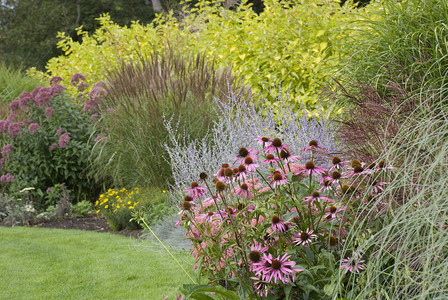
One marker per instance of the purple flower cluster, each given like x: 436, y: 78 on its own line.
x: 34, y: 127
x: 76, y: 78
x: 64, y: 139
x: 7, y: 178
x: 6, y: 150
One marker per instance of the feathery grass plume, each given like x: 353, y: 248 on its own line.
x: 407, y: 256
x: 140, y: 96
x: 236, y: 126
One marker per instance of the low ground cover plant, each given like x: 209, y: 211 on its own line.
x: 281, y: 232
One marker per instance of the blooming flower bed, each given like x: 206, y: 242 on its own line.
x: 280, y: 232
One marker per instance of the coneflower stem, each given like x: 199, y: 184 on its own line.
x: 169, y: 252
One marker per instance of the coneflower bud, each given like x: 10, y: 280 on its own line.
x: 336, y: 160
x: 265, y: 139
x: 248, y: 160
x: 194, y: 184
x: 228, y: 172
x: 382, y: 164
x: 285, y: 154
x: 203, y: 176
x: 355, y: 162
x: 313, y: 143
x: 344, y: 188
x: 224, y: 166
x: 243, y: 152
x: 277, y: 142
x: 186, y: 205
x: 309, y: 165
x: 331, y: 240
x: 220, y: 186
x: 241, y: 168
x: 188, y: 198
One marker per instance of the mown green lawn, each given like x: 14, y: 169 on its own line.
x: 38, y: 263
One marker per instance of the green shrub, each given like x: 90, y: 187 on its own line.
x: 48, y: 143
x: 12, y: 83
x: 156, y: 204
x: 141, y: 96
x: 292, y: 44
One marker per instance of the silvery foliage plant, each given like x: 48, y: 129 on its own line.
x: 238, y: 123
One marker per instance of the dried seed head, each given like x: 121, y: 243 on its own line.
x: 336, y: 175
x: 186, y: 205
x: 277, y: 142
x: 382, y: 164
x: 372, y: 165
x: 345, y: 188
x: 188, y: 198
x: 228, y: 172
x: 358, y: 169
x: 331, y: 240
x: 313, y: 143
x: 336, y: 160
x: 243, y: 152
x: 285, y: 154
x: 220, y: 186
x: 203, y: 176
x: 355, y: 162
x: 333, y: 209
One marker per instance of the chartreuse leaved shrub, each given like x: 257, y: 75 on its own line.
x: 47, y: 142
x: 294, y: 44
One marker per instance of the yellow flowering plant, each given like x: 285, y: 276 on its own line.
x: 117, y: 206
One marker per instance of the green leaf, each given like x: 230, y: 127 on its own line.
x: 194, y: 291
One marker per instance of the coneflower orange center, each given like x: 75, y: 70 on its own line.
x: 241, y: 168
x: 248, y: 160
x: 336, y: 160
x: 285, y: 154
x: 313, y: 143
x: 336, y: 175
x: 278, y: 177
x: 194, y: 184
x: 270, y: 156
x: 304, y: 236
x: 243, y: 152
x: 316, y: 194
x: 244, y: 187
x: 254, y: 256
x: 277, y: 142
x: 333, y: 209
x: 275, y: 220
x: 276, y: 264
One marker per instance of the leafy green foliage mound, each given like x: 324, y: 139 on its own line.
x: 292, y: 44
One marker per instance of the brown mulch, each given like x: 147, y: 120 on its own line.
x: 91, y: 223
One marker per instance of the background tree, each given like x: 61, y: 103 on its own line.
x: 28, y: 28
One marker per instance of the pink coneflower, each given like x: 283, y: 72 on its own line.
x: 244, y: 152
x: 208, y: 217
x: 278, y: 179
x: 358, y: 170
x: 326, y: 185
x: 256, y: 250
x: 240, y: 173
x: 271, y: 159
x: 335, y: 177
x: 304, y: 237
x: 242, y: 190
x: 262, y: 140
x: 316, y: 196
x: 354, y: 264
x: 332, y: 212
x: 287, y: 157
x: 221, y: 173
x: 337, y: 164
x: 381, y: 166
x: 250, y: 165
x: 378, y: 186
x: 280, y: 268
x: 196, y: 191
x: 311, y: 169
x: 313, y: 146
x: 276, y: 145
x: 261, y: 287
x: 278, y: 225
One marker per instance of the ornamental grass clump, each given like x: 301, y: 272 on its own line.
x: 141, y: 96
x: 280, y: 230
x: 46, y: 142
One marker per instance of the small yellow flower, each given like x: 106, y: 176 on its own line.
x: 106, y: 206
x: 129, y: 202
x: 164, y: 191
x: 98, y: 211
